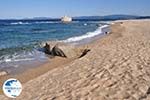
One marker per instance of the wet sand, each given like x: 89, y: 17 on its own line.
x: 116, y: 68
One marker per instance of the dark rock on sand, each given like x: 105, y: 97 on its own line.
x: 148, y: 91
x: 56, y: 51
x: 84, y: 52
x: 47, y: 48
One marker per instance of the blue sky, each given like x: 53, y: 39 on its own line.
x: 58, y: 8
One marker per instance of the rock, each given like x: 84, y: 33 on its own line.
x: 3, y: 73
x: 57, y: 52
x: 64, y: 50
x: 70, y: 51
x: 84, y: 52
x: 47, y: 48
x: 148, y: 91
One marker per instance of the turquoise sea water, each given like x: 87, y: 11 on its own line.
x: 20, y: 40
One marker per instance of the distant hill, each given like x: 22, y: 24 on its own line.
x: 89, y: 18
x: 143, y: 17
x: 110, y: 17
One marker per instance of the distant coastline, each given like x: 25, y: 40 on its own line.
x: 87, y: 18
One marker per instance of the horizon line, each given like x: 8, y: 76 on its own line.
x: 41, y: 17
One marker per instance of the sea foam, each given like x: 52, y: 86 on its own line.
x: 26, y: 23
x: 19, y: 23
x: 24, y: 56
x: 101, y: 30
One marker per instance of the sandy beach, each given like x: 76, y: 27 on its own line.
x: 116, y: 68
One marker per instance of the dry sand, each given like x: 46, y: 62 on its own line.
x: 116, y: 68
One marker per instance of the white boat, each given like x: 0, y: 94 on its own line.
x: 66, y: 19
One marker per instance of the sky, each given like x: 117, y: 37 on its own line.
x: 58, y: 8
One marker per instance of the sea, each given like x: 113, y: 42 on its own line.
x: 20, y: 40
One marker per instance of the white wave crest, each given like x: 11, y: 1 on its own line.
x: 24, y: 56
x: 101, y: 30
x: 46, y: 22
x: 19, y: 23
x: 37, y: 22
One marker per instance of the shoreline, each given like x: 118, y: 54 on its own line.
x: 13, y: 56
x: 85, y: 39
x: 53, y: 63
x: 35, y: 71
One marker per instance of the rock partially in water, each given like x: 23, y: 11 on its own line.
x: 65, y: 50
x: 47, y: 48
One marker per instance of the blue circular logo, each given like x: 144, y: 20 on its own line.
x: 12, y: 88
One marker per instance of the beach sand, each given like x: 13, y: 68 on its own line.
x: 32, y: 73
x: 116, y: 68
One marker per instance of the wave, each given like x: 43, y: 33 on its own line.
x: 41, y: 22
x: 19, y: 23
x: 46, y: 22
x: 34, y: 55
x: 16, y: 54
x: 26, y: 23
x: 101, y: 30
